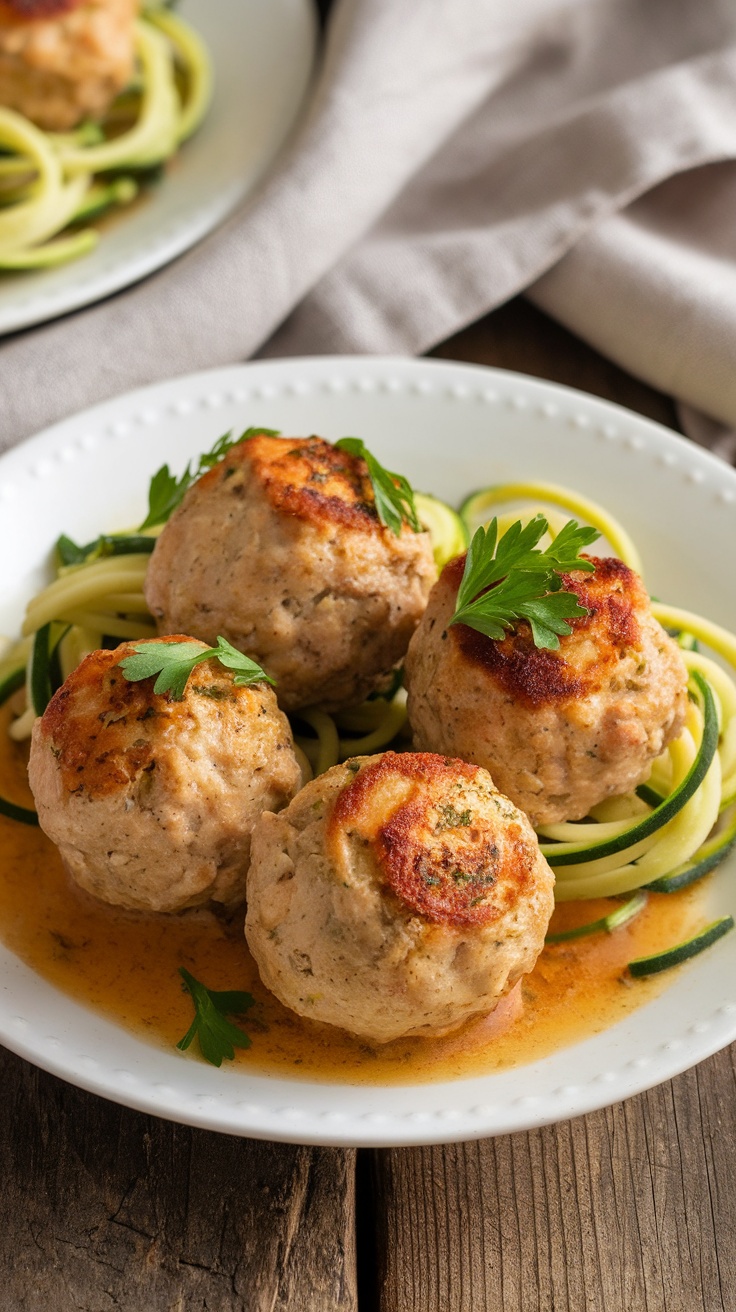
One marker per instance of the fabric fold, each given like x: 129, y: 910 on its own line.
x: 454, y: 154
x: 654, y: 288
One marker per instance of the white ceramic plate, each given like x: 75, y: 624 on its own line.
x: 450, y: 428
x: 263, y: 53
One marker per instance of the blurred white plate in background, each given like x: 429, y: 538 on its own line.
x: 263, y: 54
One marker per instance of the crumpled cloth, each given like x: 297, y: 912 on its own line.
x: 456, y: 152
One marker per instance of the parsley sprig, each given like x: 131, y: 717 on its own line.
x: 217, y: 1036
x: 173, y: 662
x: 508, y: 579
x: 392, y: 492
x: 166, y: 490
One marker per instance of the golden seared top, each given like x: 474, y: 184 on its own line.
x: 615, y: 599
x: 104, y: 730
x: 302, y: 476
x: 448, y: 845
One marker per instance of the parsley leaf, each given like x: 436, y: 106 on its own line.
x: 392, y: 492
x: 173, y: 662
x: 217, y: 1036
x: 69, y: 553
x: 107, y: 544
x: 166, y: 490
x: 509, y: 579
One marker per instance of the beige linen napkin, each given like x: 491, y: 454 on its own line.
x: 654, y: 288
x: 455, y: 152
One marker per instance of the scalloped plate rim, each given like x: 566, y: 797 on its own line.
x: 89, y: 1051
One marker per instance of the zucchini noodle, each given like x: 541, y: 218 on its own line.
x: 324, y: 751
x: 117, y: 626
x: 51, y: 201
x: 702, y: 830
x: 445, y: 526
x: 305, y: 764
x: 154, y: 134
x: 15, y: 658
x: 78, y: 642
x: 674, y: 830
x: 381, y: 717
x: 21, y: 728
x: 391, y: 722
x: 475, y: 511
x: 47, y: 180
x: 87, y: 583
x: 685, y: 841
x: 191, y: 54
x: 58, y: 251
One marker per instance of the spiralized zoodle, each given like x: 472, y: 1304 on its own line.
x: 670, y: 832
x: 51, y: 181
x: 682, y: 823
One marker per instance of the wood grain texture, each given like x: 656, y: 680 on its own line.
x: 101, y: 1207
x: 629, y: 1208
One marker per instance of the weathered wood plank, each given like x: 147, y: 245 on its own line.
x: 630, y: 1208
x: 101, y: 1207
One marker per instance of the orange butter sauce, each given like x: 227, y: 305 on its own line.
x: 125, y: 966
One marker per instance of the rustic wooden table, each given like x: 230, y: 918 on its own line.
x: 632, y: 1209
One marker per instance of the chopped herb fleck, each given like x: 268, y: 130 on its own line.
x: 452, y: 819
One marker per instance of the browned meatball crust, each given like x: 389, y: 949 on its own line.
x: 63, y: 60
x: 279, y: 549
x: 399, y: 894
x: 558, y: 730
x: 152, y: 801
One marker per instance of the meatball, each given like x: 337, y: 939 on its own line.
x: 279, y: 548
x: 398, y: 894
x: 152, y: 801
x: 558, y: 730
x: 62, y: 60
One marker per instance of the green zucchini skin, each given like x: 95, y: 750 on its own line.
x: 667, y: 810
x: 673, y: 883
x: 614, y: 920
x: 40, y: 675
x: 649, y: 795
x: 45, y: 675
x: 107, y: 544
x: 468, y: 505
x: 674, y: 956
x: 20, y: 813
x: 447, y: 530
x: 10, y: 684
